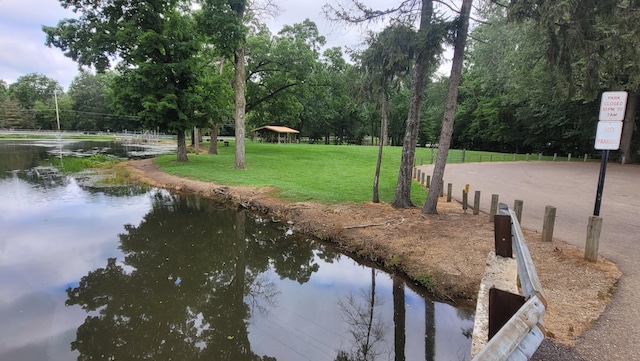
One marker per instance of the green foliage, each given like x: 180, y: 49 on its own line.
x: 76, y: 164
x: 324, y: 173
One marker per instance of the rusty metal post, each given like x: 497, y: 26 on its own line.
x: 502, y: 305
x: 503, y: 236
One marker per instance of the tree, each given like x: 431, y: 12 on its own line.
x: 30, y: 88
x: 431, y: 32
x: 158, y: 44
x: 89, y: 102
x: 586, y: 44
x: 430, y: 206
x: 389, y: 56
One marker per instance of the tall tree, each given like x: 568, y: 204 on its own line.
x: 388, y: 57
x: 431, y: 32
x: 430, y: 206
x: 157, y: 43
x: 596, y: 47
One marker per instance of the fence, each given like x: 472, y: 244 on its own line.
x: 521, y: 335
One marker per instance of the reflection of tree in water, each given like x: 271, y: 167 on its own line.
x: 191, y: 267
x: 365, y: 324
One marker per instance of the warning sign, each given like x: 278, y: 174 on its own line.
x: 613, y: 105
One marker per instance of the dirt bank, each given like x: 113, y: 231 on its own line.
x: 446, y: 251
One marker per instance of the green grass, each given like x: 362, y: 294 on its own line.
x: 301, y: 172
x: 75, y: 164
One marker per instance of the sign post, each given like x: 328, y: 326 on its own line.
x: 612, y: 109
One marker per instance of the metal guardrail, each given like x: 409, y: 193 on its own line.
x: 521, y: 336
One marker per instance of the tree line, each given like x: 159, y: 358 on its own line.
x: 532, y: 74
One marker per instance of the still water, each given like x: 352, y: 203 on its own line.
x: 113, y: 274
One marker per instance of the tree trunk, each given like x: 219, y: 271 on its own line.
x: 402, y: 197
x: 430, y: 206
x: 384, y: 102
x: 196, y: 140
x: 213, y: 145
x: 182, y: 146
x: 240, y: 101
x: 628, y: 126
x: 399, y: 319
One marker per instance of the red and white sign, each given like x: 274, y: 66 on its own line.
x: 613, y: 105
x: 608, y: 135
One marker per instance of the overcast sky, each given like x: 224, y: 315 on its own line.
x: 22, y: 49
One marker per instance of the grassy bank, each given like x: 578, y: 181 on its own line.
x: 323, y: 173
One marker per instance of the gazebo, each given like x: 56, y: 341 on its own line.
x: 274, y: 134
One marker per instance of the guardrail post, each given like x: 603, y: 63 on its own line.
x: 569, y: 158
x: 502, y: 306
x: 555, y: 156
x: 593, y: 239
x: 539, y: 156
x: 476, y: 203
x: 527, y: 157
x: 413, y: 175
x: 449, y: 189
x: 586, y: 156
x: 428, y: 184
x: 503, y: 236
x: 418, y: 174
x: 494, y: 207
x: 548, y: 223
x: 422, y: 180
x: 442, y: 188
x: 517, y: 208
x: 462, y: 158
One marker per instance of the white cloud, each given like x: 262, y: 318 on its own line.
x: 22, y: 49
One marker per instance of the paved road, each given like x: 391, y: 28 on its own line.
x: 571, y: 188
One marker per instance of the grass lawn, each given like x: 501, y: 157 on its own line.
x: 323, y: 173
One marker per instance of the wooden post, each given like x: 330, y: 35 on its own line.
x: 593, y: 238
x: 422, y: 180
x: 431, y: 158
x: 517, y: 208
x: 514, y: 157
x: 569, y: 158
x: 539, y: 156
x: 462, y: 158
x: 494, y: 207
x: 465, y: 200
x: 418, y: 173
x: 414, y: 172
x: 548, y: 223
x: 555, y: 156
x: 442, y: 188
x: 586, y: 156
x: 476, y: 203
x: 527, y: 157
x: 428, y: 181
x: 449, y: 188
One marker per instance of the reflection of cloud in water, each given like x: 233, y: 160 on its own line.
x: 49, y: 241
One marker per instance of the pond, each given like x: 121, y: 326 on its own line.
x: 137, y: 273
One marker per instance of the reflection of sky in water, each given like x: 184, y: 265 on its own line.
x: 50, y: 237
x: 306, y: 323
x: 49, y: 240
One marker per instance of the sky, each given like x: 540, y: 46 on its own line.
x: 22, y: 49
